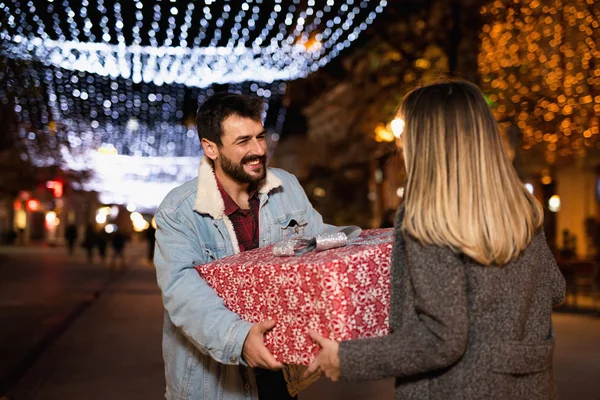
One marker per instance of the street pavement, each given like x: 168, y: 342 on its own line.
x: 112, y: 350
x: 577, y: 356
x: 41, y: 291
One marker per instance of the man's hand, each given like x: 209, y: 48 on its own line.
x: 255, y: 352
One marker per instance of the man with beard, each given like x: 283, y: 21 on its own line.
x: 235, y: 204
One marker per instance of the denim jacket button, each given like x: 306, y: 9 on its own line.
x: 233, y: 359
x: 247, y: 386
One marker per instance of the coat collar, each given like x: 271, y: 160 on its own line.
x: 208, y: 199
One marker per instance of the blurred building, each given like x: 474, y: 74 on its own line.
x: 538, y: 62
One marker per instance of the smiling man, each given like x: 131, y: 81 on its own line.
x: 235, y: 204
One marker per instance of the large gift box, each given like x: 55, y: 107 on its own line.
x: 342, y: 293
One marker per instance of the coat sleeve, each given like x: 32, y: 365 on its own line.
x: 435, y: 339
x: 192, y: 305
x: 558, y: 284
x: 557, y: 280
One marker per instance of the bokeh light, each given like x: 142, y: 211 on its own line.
x: 540, y: 66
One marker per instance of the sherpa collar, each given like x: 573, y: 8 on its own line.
x: 208, y: 199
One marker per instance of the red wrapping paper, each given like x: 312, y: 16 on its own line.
x: 342, y: 293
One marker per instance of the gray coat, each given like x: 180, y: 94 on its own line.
x: 461, y: 330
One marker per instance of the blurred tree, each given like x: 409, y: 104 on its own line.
x: 540, y: 65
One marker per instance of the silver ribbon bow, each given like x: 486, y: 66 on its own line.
x: 330, y: 239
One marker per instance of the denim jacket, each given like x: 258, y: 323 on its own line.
x: 202, y: 339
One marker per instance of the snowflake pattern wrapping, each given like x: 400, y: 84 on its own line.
x: 342, y: 293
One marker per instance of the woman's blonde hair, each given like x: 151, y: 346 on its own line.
x: 462, y: 190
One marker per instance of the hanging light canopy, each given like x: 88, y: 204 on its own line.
x: 114, y: 85
x: 197, y: 45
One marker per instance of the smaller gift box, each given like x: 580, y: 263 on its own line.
x: 342, y: 293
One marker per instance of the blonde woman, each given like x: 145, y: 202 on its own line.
x: 473, y: 281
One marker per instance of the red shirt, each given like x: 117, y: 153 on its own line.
x: 245, y: 222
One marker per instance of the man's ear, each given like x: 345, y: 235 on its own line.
x: 210, y: 149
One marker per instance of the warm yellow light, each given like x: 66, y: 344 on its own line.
x: 382, y: 134
x: 313, y: 45
x: 50, y: 217
x: 52, y: 220
x: 108, y: 150
x: 20, y: 221
x: 319, y: 192
x: 422, y: 63
x: 102, y: 214
x: 140, y: 225
x: 105, y: 210
x: 554, y: 203
x: 529, y: 187
x: 138, y: 221
x: 135, y: 216
x: 397, y: 126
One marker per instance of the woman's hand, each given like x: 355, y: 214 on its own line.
x: 327, y: 361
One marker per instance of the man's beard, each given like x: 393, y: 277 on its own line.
x: 237, y: 172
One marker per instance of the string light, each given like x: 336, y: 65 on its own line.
x: 220, y: 22
x: 540, y: 65
x: 235, y: 35
x: 87, y: 25
x: 264, y: 33
x: 135, y: 125
x: 226, y: 59
x: 71, y: 20
x: 115, y: 102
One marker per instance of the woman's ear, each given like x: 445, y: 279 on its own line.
x: 210, y: 149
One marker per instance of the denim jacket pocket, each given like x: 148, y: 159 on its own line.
x: 210, y: 251
x: 210, y: 255
x: 293, y: 225
x: 519, y: 358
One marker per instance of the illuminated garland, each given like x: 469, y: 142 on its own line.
x: 540, y: 64
x: 305, y: 40
x: 120, y: 130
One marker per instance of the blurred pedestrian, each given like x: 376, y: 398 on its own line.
x: 473, y: 279
x: 101, y: 244
x: 71, y: 237
x: 151, y: 241
x: 89, y: 242
x: 118, y: 241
